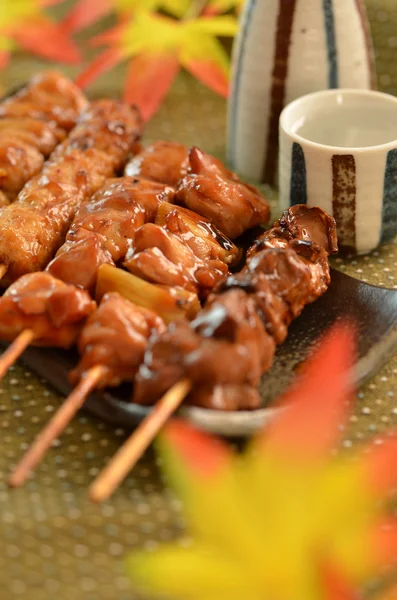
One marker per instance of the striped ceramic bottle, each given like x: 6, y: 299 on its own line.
x: 286, y: 49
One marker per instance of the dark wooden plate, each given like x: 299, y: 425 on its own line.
x: 373, y: 309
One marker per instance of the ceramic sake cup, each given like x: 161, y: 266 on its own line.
x: 338, y: 150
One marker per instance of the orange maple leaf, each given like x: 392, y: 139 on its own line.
x: 288, y: 518
x: 158, y: 47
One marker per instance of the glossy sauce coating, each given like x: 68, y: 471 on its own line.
x: 160, y: 256
x: 49, y: 96
x: 105, y: 227
x: 166, y: 162
x: 54, y: 311
x: 34, y: 227
x: 116, y: 336
x: 244, y: 319
x: 30, y: 129
x: 216, y: 193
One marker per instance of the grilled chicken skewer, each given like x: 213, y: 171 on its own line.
x: 181, y: 224
x: 242, y: 322
x: 98, y: 235
x: 105, y: 227
x: 112, y: 346
x: 114, y: 339
x: 34, y: 226
x: 287, y: 268
x: 33, y: 121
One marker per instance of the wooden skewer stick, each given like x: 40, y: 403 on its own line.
x: 129, y: 454
x: 56, y: 425
x: 3, y: 270
x: 14, y: 351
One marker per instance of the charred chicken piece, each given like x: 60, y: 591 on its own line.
x: 162, y: 257
x: 54, y: 311
x: 226, y: 344
x: 49, y: 96
x: 105, y: 227
x: 232, y: 340
x: 34, y: 227
x: 116, y: 336
x: 312, y: 225
x: 166, y: 162
x: 214, y: 192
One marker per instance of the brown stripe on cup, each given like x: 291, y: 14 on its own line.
x: 285, y: 21
x: 344, y: 194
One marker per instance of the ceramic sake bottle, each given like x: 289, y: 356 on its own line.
x: 286, y: 49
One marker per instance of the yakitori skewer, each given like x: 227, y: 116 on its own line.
x: 242, y: 323
x: 34, y: 226
x: 33, y: 121
x: 111, y: 345
x: 207, y: 249
x: 109, y: 340
x: 100, y: 233
x: 183, y: 249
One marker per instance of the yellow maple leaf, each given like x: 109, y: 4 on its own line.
x: 157, y: 47
x: 85, y: 13
x: 286, y: 519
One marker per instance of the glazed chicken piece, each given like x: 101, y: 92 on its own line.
x: 166, y: 162
x: 24, y: 145
x: 181, y: 249
x: 116, y: 336
x: 312, y: 225
x: 41, y: 135
x: 104, y: 228
x: 216, y: 193
x: 54, y: 311
x: 49, y: 96
x: 161, y: 257
x: 198, y: 233
x: 226, y: 344
x: 231, y: 342
x: 19, y: 162
x: 28, y: 131
x: 34, y: 227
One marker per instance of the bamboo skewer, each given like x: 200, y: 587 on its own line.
x: 56, y: 425
x: 14, y: 351
x: 129, y: 454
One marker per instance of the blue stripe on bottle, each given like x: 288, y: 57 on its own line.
x: 389, y: 211
x: 245, y: 29
x: 298, y: 191
x: 330, y: 35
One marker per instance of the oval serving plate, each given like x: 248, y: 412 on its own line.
x: 373, y: 309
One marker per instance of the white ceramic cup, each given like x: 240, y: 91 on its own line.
x: 338, y: 150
